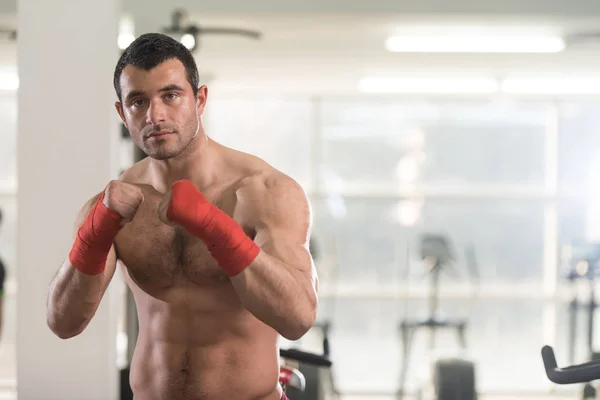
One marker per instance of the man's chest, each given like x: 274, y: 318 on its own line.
x: 159, y: 255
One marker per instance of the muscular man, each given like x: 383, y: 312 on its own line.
x: 213, y: 243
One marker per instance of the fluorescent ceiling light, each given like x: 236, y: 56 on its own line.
x: 126, y: 32
x: 554, y: 86
x: 124, y: 40
x: 428, y: 85
x: 9, y: 81
x: 475, y: 44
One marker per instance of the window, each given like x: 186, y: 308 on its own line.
x: 277, y: 130
x: 383, y: 145
x: 371, y: 236
x: 579, y: 145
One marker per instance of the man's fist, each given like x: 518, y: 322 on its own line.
x: 123, y: 198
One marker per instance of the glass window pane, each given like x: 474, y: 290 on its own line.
x: 389, y: 143
x: 571, y: 220
x: 371, y: 236
x: 277, y: 130
x: 579, y: 141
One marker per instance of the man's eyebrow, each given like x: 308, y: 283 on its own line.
x: 172, y: 87
x: 132, y: 94
x: 167, y: 88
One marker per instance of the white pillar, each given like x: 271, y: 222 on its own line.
x: 67, y: 137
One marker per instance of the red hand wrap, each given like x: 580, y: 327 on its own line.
x: 225, y: 238
x: 94, y: 239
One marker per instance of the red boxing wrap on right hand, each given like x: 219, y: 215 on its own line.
x: 95, y: 238
x: 225, y: 239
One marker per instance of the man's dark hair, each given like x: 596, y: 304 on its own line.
x: 151, y: 49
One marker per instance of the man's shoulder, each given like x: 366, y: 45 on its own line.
x: 271, y: 197
x: 269, y: 179
x: 271, y: 191
x: 257, y: 173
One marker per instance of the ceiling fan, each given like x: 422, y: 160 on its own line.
x: 583, y: 38
x: 189, y: 35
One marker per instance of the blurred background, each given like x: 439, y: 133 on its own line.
x: 474, y: 122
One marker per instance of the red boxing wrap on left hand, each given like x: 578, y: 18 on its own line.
x: 225, y: 238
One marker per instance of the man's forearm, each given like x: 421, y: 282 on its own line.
x: 73, y: 298
x: 279, y: 295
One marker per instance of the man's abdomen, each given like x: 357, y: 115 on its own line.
x: 235, y: 370
x: 199, y: 343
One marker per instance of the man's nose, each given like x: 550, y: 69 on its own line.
x: 155, y: 113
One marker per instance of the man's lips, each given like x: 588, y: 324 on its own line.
x: 159, y: 134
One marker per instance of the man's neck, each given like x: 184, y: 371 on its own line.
x: 197, y: 163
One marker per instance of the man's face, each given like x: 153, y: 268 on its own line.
x: 159, y: 108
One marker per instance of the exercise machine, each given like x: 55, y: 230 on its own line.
x: 580, y: 262
x: 323, y: 387
x: 453, y: 378
x: 579, y: 373
x: 293, y: 381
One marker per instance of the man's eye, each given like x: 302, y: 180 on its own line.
x: 137, y: 103
x: 171, y: 96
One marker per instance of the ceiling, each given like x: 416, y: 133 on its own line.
x: 329, y: 52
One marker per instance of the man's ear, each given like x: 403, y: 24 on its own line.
x: 119, y: 108
x: 202, y: 98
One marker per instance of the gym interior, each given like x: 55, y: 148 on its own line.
x: 449, y: 151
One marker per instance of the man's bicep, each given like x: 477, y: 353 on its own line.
x: 281, y: 243
x: 284, y: 222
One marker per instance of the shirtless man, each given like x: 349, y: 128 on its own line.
x: 213, y: 244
